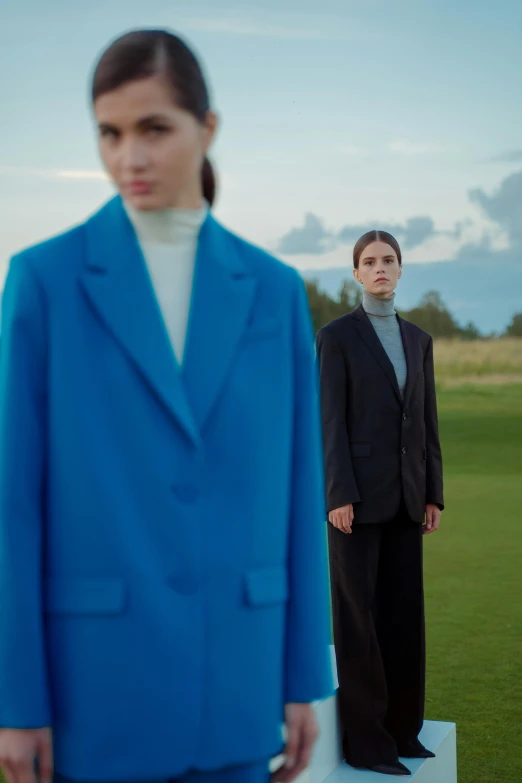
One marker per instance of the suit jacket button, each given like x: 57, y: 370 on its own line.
x: 404, y: 417
x: 404, y: 450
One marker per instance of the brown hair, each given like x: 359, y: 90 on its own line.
x: 374, y: 236
x: 144, y: 53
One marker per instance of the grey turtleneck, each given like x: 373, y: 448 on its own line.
x: 381, y: 312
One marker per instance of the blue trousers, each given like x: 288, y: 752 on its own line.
x: 249, y: 773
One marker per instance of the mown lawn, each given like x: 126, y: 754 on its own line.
x: 474, y: 582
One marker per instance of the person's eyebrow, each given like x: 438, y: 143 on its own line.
x: 107, y: 126
x: 150, y: 119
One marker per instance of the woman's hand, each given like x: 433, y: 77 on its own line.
x: 19, y: 748
x: 301, y: 736
x: 433, y: 514
x: 342, y: 518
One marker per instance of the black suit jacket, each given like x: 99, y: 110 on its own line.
x: 378, y: 447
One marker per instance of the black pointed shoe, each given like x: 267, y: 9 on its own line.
x: 392, y: 768
x: 415, y: 750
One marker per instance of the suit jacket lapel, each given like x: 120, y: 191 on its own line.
x: 410, y: 344
x: 222, y: 297
x: 371, y: 339
x: 117, y: 283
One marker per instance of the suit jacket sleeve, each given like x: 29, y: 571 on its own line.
x: 24, y: 699
x: 434, y: 491
x: 341, y: 487
x: 308, y: 665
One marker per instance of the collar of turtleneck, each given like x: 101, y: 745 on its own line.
x: 378, y: 305
x: 167, y: 226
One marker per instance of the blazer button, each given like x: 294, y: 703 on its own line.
x: 187, y: 493
x: 404, y: 450
x: 404, y: 417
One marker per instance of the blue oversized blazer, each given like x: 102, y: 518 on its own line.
x: 163, y: 580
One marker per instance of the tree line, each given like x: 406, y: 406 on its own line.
x: 431, y: 314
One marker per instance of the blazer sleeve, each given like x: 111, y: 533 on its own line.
x: 24, y: 696
x: 308, y: 668
x: 341, y: 487
x: 434, y: 484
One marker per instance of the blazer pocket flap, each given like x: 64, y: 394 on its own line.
x: 264, y: 329
x: 63, y: 595
x: 361, y: 449
x: 266, y: 585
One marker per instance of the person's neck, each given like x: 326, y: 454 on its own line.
x: 188, y: 201
x: 382, y: 306
x: 169, y: 225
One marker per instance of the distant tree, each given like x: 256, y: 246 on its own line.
x: 325, y: 308
x: 470, y: 332
x: 432, y: 315
x: 515, y: 327
x: 350, y: 295
x: 320, y: 304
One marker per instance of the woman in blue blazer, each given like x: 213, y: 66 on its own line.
x: 163, y: 582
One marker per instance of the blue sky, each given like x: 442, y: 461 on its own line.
x: 336, y: 116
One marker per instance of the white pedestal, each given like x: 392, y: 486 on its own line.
x: 327, y: 765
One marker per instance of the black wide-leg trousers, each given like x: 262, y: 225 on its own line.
x: 378, y: 621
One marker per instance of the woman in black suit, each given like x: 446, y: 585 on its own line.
x: 384, y: 491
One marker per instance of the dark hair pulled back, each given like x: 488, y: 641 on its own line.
x: 141, y: 54
x: 374, y: 236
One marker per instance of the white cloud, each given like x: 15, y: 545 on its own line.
x: 411, y: 148
x: 81, y: 174
x: 304, y: 262
x: 71, y: 174
x: 434, y: 249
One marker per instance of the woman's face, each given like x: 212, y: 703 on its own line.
x: 379, y: 269
x: 151, y: 148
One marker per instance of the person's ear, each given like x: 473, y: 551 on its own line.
x: 357, y: 276
x: 400, y: 272
x: 210, y: 127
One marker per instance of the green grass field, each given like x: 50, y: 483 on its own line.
x: 473, y: 569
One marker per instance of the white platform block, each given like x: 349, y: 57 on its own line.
x: 439, y: 737
x: 327, y: 765
x: 327, y: 752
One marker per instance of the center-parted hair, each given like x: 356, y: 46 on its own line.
x: 374, y: 236
x: 141, y: 54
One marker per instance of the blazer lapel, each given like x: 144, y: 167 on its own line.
x: 117, y: 283
x: 222, y: 298
x: 410, y: 344
x: 372, y: 341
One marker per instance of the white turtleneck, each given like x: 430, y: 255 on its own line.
x: 168, y: 239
